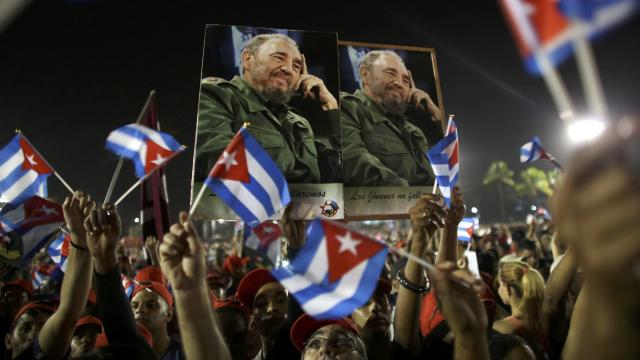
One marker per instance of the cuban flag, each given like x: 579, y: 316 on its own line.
x: 23, y: 172
x: 263, y: 239
x: 467, y: 227
x: 59, y: 250
x: 444, y: 158
x: 147, y: 148
x: 248, y: 180
x: 39, y: 275
x: 532, y: 151
x: 544, y: 28
x: 335, y: 272
x: 26, y: 228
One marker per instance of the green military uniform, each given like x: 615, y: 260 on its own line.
x: 379, y: 149
x: 285, y: 135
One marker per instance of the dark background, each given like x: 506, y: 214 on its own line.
x: 71, y: 71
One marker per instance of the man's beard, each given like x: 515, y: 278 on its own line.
x: 277, y: 95
x: 393, y: 106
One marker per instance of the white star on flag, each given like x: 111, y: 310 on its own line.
x: 31, y: 160
x: 48, y: 211
x: 228, y: 160
x: 159, y: 160
x: 348, y: 243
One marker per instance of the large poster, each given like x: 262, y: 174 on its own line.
x: 391, y: 113
x: 284, y: 86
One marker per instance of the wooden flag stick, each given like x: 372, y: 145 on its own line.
x: 146, y: 176
x: 196, y: 201
x: 116, y: 173
x: 64, y: 183
x: 588, y: 70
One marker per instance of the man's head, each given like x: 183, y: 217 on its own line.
x: 84, y: 338
x: 26, y: 327
x: 271, y: 64
x: 268, y: 300
x: 527, y: 251
x: 13, y: 296
x: 234, y: 321
x: 152, y: 306
x: 385, y: 78
x: 374, y: 318
x: 317, y: 339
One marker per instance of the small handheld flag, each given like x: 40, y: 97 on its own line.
x: 444, y: 158
x: 263, y: 239
x: 59, y: 250
x: 25, y: 228
x: 467, y: 227
x: 147, y: 148
x: 247, y: 180
x: 23, y: 172
x: 335, y: 272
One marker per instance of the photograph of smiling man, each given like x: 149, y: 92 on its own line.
x: 284, y: 83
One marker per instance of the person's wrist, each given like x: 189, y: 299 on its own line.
x: 103, y: 264
x: 330, y: 105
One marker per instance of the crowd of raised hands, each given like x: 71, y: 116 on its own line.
x: 560, y: 288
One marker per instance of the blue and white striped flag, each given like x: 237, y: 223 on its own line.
x: 444, y: 160
x: 336, y: 271
x: 59, y: 250
x: 467, y: 227
x: 532, y: 151
x: 248, y: 180
x: 23, y: 172
x: 147, y: 148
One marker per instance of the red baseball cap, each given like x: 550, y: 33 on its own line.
x: 251, y: 283
x: 89, y: 320
x: 305, y: 326
x: 158, y: 288
x: 151, y: 273
x: 233, y: 262
x: 39, y: 305
x: 23, y: 284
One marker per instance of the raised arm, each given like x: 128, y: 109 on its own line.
x: 426, y: 216
x: 448, y: 250
x: 182, y: 261
x: 56, y: 334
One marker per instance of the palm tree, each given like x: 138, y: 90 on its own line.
x: 533, y: 183
x: 499, y: 172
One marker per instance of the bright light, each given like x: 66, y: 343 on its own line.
x: 585, y: 130
x: 533, y: 208
x: 474, y: 210
x: 136, y: 220
x: 220, y: 221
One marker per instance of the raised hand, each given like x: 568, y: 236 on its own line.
x: 428, y: 213
x: 182, y: 256
x: 422, y: 101
x: 313, y: 87
x: 76, y: 208
x: 103, y: 229
x: 152, y: 245
x: 457, y: 209
x: 458, y: 292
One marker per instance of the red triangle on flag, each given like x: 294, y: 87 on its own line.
x: 232, y: 164
x: 33, y: 160
x: 156, y: 156
x: 267, y: 232
x: 38, y: 211
x: 346, y: 249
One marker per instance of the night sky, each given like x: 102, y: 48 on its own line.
x: 72, y: 71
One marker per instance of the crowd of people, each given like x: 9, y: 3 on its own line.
x: 565, y: 287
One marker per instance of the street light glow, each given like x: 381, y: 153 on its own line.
x: 474, y: 210
x: 585, y: 129
x: 136, y: 220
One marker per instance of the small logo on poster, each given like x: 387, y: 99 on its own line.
x: 330, y: 208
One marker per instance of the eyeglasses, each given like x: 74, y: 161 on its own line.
x: 340, y: 343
